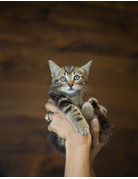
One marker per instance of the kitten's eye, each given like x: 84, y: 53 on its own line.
x: 76, y: 77
x: 63, y: 79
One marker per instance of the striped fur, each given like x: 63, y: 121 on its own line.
x: 67, y: 96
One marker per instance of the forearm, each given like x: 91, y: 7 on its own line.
x: 78, y: 160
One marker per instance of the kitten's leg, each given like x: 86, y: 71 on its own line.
x: 88, y: 111
x: 95, y: 104
x: 104, y: 123
x: 72, y: 112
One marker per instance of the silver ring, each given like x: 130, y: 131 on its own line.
x: 47, y: 117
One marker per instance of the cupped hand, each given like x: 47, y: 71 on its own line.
x: 59, y: 122
x: 63, y: 127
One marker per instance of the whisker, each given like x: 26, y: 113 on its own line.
x: 86, y: 92
x: 89, y: 89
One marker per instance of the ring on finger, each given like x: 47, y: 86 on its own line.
x: 47, y: 117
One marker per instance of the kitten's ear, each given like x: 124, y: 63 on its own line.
x: 86, y: 67
x: 53, y: 68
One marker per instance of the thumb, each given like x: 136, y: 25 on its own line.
x: 95, y: 131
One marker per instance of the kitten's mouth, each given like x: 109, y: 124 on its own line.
x: 71, y: 89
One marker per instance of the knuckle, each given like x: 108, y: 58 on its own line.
x: 52, y: 124
x: 50, y: 116
x: 56, y: 115
x: 46, y: 105
x: 49, y: 128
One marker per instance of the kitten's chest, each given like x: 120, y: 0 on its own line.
x: 77, y: 101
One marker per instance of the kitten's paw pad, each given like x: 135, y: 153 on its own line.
x: 87, y: 105
x: 93, y: 102
x: 82, y: 128
x: 87, y: 109
x: 103, y: 108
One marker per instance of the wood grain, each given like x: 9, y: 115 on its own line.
x: 72, y: 33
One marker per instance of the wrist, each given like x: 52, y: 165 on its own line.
x: 78, y: 155
x: 76, y: 142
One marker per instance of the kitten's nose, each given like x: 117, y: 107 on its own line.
x: 70, y: 85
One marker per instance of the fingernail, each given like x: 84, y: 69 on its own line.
x: 95, y: 122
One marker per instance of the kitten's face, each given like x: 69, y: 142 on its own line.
x: 69, y: 79
x: 69, y: 82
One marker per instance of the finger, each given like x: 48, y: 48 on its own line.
x: 95, y: 131
x: 51, y: 107
x: 50, y: 128
x: 54, y: 127
x: 51, y: 116
x: 50, y: 100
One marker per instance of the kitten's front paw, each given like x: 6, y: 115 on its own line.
x: 87, y: 110
x: 81, y: 127
x: 93, y: 102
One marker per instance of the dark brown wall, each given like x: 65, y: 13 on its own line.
x: 68, y: 33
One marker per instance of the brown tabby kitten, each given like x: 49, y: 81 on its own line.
x: 66, y: 91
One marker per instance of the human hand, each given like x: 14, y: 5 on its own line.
x: 77, y: 146
x: 58, y: 121
x: 63, y: 127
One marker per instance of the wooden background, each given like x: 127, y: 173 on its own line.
x: 68, y: 33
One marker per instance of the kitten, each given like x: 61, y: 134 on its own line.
x: 66, y: 90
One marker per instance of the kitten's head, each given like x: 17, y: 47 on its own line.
x: 69, y: 79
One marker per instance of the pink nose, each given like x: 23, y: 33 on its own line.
x: 70, y: 85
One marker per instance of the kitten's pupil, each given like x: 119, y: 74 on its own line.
x: 76, y: 77
x: 63, y: 79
